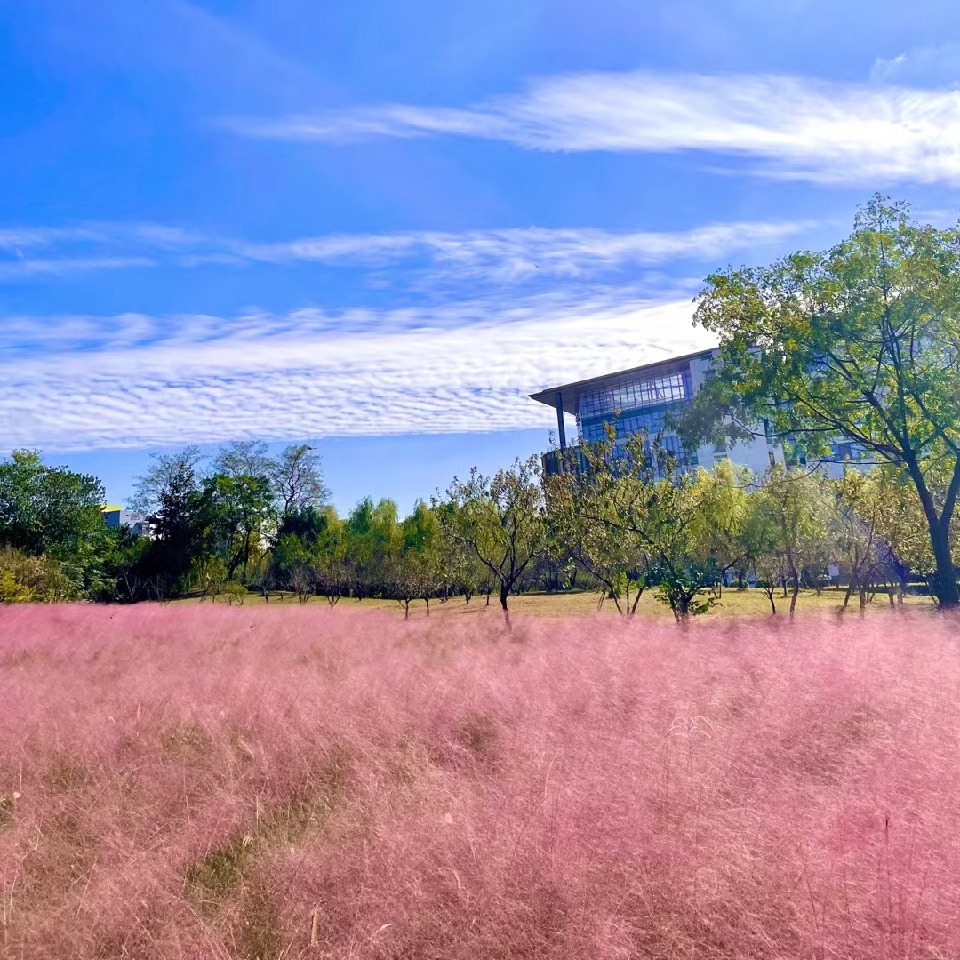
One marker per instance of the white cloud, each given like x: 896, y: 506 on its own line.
x: 31, y: 267
x: 789, y: 126
x: 512, y: 254
x: 499, y: 255
x: 463, y: 367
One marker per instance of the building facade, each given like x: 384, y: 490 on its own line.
x: 641, y: 399
x: 116, y: 516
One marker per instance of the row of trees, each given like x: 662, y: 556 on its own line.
x: 623, y: 522
x: 632, y: 521
x: 221, y: 515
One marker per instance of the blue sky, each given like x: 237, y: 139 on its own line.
x: 380, y: 226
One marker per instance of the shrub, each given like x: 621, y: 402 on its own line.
x: 26, y: 579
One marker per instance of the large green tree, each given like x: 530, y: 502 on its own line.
x: 46, y: 509
x: 370, y: 535
x: 237, y: 512
x: 860, y: 343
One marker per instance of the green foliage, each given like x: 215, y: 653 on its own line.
x: 27, y: 579
x: 594, y: 515
x: 107, y: 564
x: 46, y: 509
x: 786, y: 527
x: 461, y: 569
x: 719, y: 526
x: 857, y: 343
x: 414, y: 569
x: 631, y: 515
x: 233, y: 593
x: 172, y: 492
x: 682, y: 592
x: 500, y: 520
x: 236, y: 512
x: 370, y: 537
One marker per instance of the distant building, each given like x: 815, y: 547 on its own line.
x: 116, y: 516
x: 641, y: 398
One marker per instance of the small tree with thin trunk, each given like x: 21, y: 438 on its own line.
x: 855, y: 532
x: 788, y: 521
x: 632, y: 511
x: 590, y: 509
x: 501, y: 520
x: 722, y: 507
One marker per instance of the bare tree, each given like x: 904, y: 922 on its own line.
x: 297, y: 478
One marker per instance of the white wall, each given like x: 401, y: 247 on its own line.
x: 755, y: 454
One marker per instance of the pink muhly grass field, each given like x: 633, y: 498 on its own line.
x: 210, y: 783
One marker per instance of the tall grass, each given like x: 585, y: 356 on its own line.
x: 214, y: 783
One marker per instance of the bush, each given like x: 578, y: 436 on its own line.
x: 25, y: 579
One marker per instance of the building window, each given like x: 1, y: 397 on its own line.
x: 635, y: 395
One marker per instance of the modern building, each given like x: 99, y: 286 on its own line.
x: 639, y: 399
x: 116, y: 516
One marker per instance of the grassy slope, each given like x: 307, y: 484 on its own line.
x: 206, y: 782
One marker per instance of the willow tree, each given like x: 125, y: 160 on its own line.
x: 857, y: 344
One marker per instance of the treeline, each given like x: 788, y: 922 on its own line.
x: 620, y: 520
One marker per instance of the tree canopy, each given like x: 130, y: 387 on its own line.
x: 46, y: 509
x: 859, y: 343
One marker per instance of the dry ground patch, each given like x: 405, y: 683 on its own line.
x: 732, y: 603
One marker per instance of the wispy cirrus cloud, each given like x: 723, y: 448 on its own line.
x: 787, y: 126
x: 515, y: 253
x: 25, y: 267
x: 142, y: 381
x: 500, y: 255
x: 43, y: 251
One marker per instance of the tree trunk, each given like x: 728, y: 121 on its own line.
x: 773, y: 602
x: 504, y: 597
x: 946, y: 576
